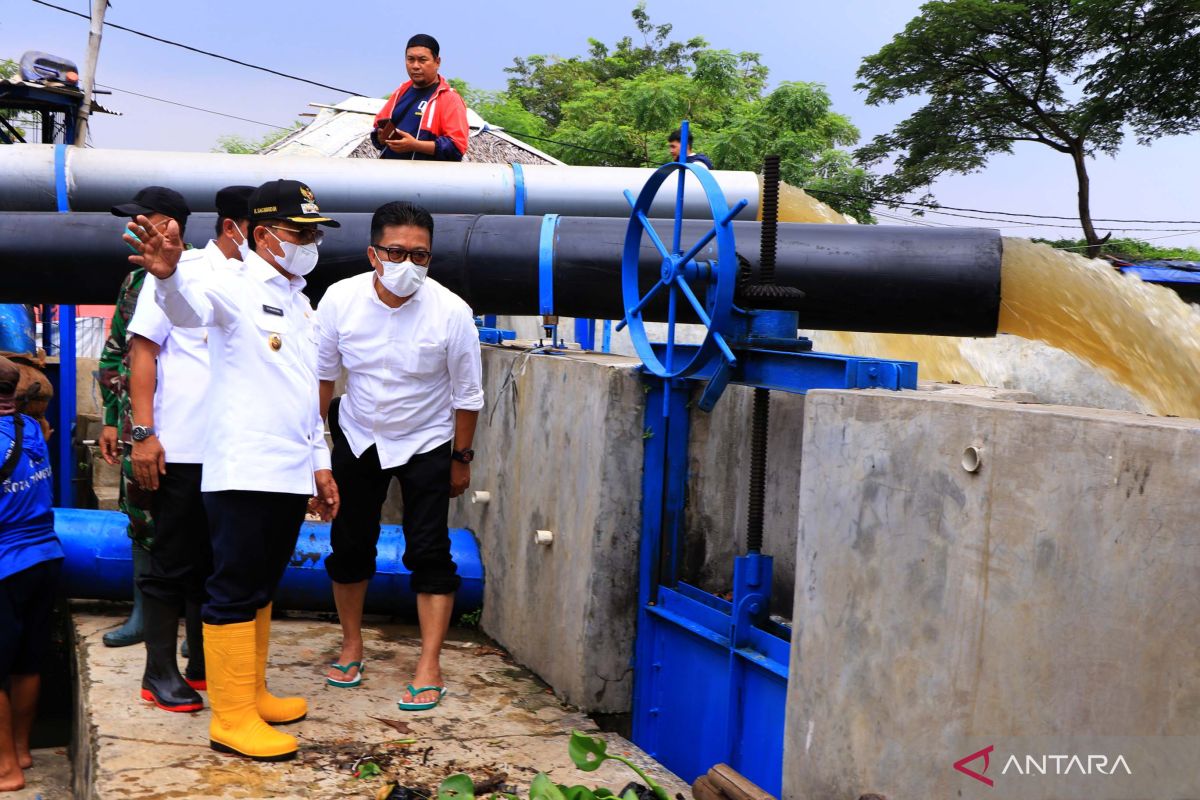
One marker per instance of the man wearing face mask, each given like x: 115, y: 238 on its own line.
x: 264, y: 449
x: 413, y: 395
x: 159, y: 205
x: 168, y: 378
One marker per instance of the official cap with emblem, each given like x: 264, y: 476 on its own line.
x: 290, y: 200
x: 155, y: 199
x: 233, y: 202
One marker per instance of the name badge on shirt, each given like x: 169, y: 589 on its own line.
x: 273, y: 310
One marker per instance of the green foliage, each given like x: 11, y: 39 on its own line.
x: 471, y: 619
x: 9, y: 68
x: 1072, y: 75
x: 456, y: 787
x: 616, y: 105
x: 368, y: 769
x: 240, y: 145
x: 586, y: 752
x: 1128, y: 249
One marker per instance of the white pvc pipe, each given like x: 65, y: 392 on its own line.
x: 97, y: 179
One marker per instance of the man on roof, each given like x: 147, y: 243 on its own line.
x: 424, y: 119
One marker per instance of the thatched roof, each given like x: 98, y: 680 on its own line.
x: 344, y: 131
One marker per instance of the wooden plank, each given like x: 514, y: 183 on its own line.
x: 734, y: 785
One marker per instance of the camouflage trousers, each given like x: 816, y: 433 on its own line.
x: 136, y: 503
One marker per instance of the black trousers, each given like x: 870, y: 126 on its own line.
x: 26, y: 599
x: 253, y: 538
x: 363, y: 485
x: 181, y: 558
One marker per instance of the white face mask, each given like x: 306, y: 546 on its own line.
x: 402, y: 279
x: 243, y: 246
x: 298, y: 259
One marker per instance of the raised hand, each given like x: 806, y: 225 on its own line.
x: 158, y: 253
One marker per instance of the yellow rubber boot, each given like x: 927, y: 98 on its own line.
x: 236, y: 727
x: 275, y: 710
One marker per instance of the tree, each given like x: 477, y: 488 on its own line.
x: 616, y: 105
x: 240, y: 145
x: 9, y: 68
x: 1071, y: 75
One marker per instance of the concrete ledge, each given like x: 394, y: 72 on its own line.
x: 1049, y: 594
x: 496, y: 718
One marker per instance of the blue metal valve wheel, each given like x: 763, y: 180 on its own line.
x: 707, y: 287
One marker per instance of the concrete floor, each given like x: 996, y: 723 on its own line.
x: 48, y: 779
x: 497, y: 719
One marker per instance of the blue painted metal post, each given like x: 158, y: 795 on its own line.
x: 664, y: 483
x: 585, y: 333
x: 66, y: 406
x: 66, y: 355
x: 606, y: 339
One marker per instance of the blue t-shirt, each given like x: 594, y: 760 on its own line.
x: 26, y: 512
x: 407, y: 115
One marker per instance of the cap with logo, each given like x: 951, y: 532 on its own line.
x: 232, y: 201
x: 155, y: 200
x: 290, y: 200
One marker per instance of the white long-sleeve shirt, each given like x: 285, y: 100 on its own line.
x: 264, y: 425
x: 410, y: 368
x: 180, y: 395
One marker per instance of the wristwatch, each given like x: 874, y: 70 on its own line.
x: 463, y: 456
x: 142, y: 432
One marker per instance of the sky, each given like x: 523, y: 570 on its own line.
x: 358, y: 45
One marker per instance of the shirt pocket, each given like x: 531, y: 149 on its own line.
x: 274, y: 336
x: 426, y: 360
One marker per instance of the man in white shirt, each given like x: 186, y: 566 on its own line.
x: 168, y: 379
x: 412, y: 399
x: 264, y: 452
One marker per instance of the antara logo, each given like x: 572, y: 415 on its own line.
x: 1074, y: 765
x: 985, y: 753
x: 1056, y: 764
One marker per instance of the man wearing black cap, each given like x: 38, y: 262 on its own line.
x: 264, y: 451
x: 425, y: 119
x: 159, y: 205
x: 169, y: 374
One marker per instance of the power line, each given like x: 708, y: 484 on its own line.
x: 193, y: 108
x: 891, y: 201
x: 202, y: 52
x: 1045, y: 224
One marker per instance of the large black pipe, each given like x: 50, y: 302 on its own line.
x: 854, y: 277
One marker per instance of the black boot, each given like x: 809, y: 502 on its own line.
x: 131, y: 631
x: 161, y: 682
x: 194, y: 674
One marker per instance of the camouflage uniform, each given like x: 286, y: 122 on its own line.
x: 114, y: 388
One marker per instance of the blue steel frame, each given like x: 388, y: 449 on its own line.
x: 710, y: 674
x: 66, y: 356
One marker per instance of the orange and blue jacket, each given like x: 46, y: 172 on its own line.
x: 444, y: 122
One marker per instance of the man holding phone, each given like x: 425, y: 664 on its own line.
x: 424, y: 119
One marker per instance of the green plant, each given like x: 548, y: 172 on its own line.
x: 471, y: 618
x: 587, y: 753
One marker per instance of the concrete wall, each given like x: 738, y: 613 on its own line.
x: 559, y: 448
x: 718, y: 491
x: 1052, y: 593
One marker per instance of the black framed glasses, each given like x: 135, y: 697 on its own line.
x: 303, y: 236
x: 398, y: 255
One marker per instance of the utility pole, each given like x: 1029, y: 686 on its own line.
x: 89, y: 75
